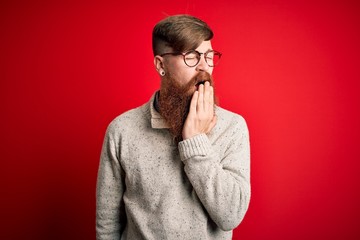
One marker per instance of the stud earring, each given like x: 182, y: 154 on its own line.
x: 162, y: 72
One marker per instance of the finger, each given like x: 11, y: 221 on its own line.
x: 193, y: 103
x: 211, y: 100
x: 200, y: 100
x: 207, y: 93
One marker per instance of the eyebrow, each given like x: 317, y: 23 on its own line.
x: 209, y: 49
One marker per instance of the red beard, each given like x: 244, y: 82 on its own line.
x: 174, y: 101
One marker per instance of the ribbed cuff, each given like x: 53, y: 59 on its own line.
x: 198, y: 145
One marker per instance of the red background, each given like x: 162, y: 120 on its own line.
x: 291, y: 69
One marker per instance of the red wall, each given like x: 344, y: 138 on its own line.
x: 291, y: 69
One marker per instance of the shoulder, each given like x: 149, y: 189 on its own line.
x: 230, y: 131
x: 128, y: 121
x: 230, y: 119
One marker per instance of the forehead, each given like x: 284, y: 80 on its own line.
x: 204, y: 46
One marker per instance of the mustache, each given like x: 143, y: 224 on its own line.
x: 198, y: 79
x: 201, y: 78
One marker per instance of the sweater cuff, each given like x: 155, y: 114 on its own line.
x: 198, y: 145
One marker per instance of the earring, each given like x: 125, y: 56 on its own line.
x: 162, y: 72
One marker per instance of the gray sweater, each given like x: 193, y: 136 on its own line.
x: 148, y: 187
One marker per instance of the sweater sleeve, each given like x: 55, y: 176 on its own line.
x: 110, y: 212
x: 221, y: 183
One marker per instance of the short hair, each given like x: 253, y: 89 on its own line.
x: 179, y: 32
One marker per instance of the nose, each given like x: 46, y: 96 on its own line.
x: 202, y: 65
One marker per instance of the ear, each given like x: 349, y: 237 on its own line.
x: 158, y: 63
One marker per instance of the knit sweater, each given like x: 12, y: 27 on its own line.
x: 149, y: 187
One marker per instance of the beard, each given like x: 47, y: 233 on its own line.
x: 174, y: 101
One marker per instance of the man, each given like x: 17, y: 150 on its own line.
x: 177, y: 167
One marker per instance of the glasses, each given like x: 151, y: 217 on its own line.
x: 192, y: 58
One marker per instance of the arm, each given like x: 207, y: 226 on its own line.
x: 110, y: 212
x: 221, y: 183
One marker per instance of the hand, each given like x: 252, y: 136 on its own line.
x: 201, y: 117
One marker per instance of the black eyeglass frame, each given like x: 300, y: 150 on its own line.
x: 199, y: 54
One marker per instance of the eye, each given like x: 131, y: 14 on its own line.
x: 210, y: 55
x: 191, y: 56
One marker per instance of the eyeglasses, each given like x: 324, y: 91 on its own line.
x: 192, y: 58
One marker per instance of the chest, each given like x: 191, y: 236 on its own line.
x: 153, y: 166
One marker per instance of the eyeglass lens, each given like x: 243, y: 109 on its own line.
x: 193, y: 57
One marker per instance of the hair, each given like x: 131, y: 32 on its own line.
x: 180, y: 33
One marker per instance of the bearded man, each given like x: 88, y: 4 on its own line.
x: 177, y: 167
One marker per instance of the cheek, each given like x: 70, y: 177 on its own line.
x: 187, y: 76
x: 183, y: 76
